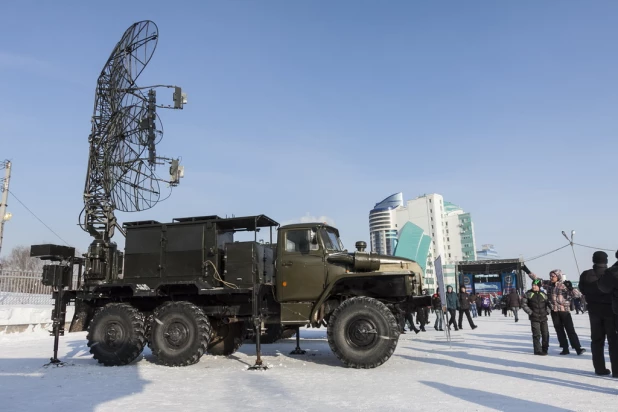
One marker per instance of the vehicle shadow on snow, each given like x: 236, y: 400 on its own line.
x: 28, y: 385
x: 531, y: 377
x: 315, y: 344
x: 492, y: 400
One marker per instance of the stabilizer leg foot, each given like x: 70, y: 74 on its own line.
x: 298, y: 350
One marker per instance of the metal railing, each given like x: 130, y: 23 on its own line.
x: 23, y: 288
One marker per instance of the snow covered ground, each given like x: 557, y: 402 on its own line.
x: 491, y: 368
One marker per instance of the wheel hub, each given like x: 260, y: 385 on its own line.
x: 114, y: 334
x: 177, y: 334
x: 362, y: 333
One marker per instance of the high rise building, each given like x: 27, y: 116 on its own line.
x: 487, y: 252
x: 423, y: 229
x: 382, y: 226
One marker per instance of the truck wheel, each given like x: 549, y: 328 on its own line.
x: 116, y: 334
x: 148, y: 325
x: 226, y: 338
x: 362, y: 332
x: 179, y: 334
x: 288, y: 333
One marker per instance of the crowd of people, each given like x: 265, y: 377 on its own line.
x: 554, y: 298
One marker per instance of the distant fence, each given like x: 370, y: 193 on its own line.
x: 23, y: 288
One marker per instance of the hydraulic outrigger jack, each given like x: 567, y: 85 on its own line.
x: 257, y: 327
x: 298, y: 350
x: 58, y: 316
x: 59, y: 277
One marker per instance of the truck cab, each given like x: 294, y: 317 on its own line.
x: 315, y: 273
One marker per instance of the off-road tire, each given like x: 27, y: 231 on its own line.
x: 148, y: 325
x: 179, y: 334
x: 288, y: 333
x: 226, y: 338
x: 116, y: 334
x: 362, y: 332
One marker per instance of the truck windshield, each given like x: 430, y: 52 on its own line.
x: 331, y: 240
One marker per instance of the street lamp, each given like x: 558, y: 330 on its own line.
x: 572, y: 248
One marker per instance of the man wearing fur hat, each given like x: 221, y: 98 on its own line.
x: 560, y: 295
x: 602, y: 323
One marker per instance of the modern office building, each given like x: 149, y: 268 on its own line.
x: 382, y: 226
x: 487, y: 252
x: 423, y: 229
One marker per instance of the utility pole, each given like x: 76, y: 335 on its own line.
x: 4, y: 187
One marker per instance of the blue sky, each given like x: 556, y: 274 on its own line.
x: 316, y: 108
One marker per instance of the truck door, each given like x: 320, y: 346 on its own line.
x: 300, y: 266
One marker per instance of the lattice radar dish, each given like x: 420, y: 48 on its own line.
x: 125, y: 131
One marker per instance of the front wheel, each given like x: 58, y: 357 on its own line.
x: 362, y: 332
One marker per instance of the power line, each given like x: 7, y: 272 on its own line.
x: 545, y: 254
x: 592, y: 247
x: 32, y: 213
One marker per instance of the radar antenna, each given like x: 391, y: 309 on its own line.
x: 123, y: 158
x: 125, y: 131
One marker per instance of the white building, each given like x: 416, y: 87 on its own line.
x: 382, y: 224
x: 450, y: 228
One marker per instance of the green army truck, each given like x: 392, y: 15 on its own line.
x: 187, y: 288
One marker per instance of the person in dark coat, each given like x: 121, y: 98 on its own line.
x: 513, y: 302
x: 479, y: 305
x: 436, y: 304
x: 452, y: 304
x: 609, y: 284
x: 425, y: 311
x: 472, y: 300
x: 560, y: 295
x: 536, y: 304
x: 602, y: 321
x: 504, y: 305
x: 464, y: 307
x: 486, y: 305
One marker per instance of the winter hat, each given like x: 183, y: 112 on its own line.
x: 599, y: 257
x: 449, y: 287
x: 537, y: 282
x: 558, y: 274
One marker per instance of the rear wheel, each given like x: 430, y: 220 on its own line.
x: 362, y: 332
x: 288, y: 333
x: 179, y: 334
x: 226, y: 338
x: 116, y: 334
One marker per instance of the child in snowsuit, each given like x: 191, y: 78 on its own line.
x: 536, y: 304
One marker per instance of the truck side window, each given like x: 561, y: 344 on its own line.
x: 299, y: 241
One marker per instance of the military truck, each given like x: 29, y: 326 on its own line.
x: 187, y: 288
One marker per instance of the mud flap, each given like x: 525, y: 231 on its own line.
x: 82, y: 316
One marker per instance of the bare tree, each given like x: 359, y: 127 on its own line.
x: 19, y: 259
